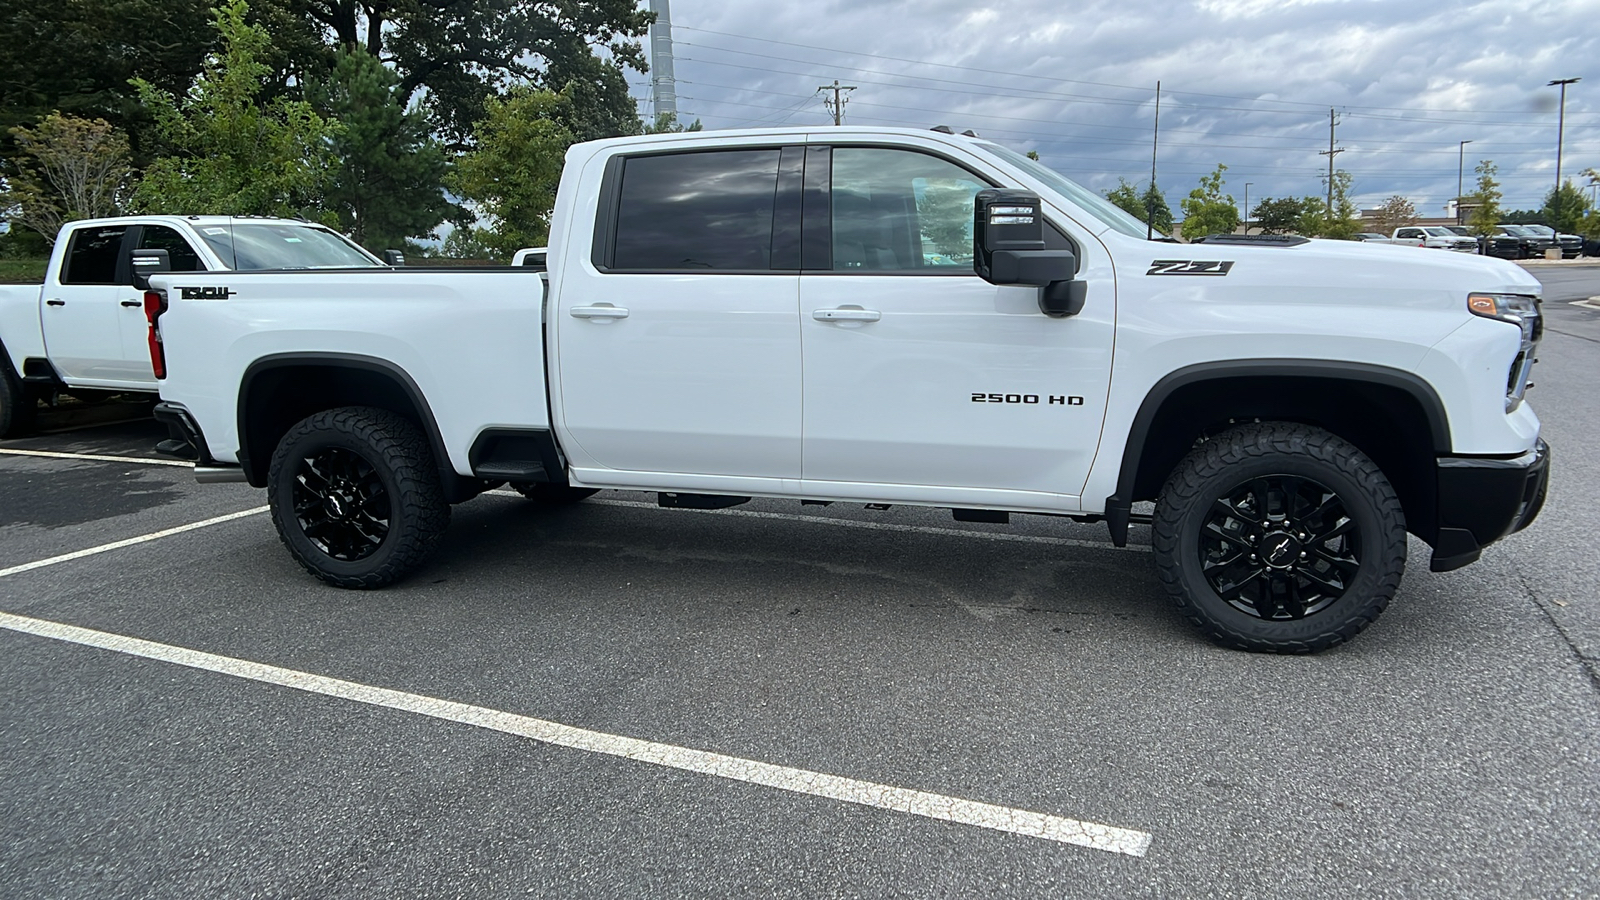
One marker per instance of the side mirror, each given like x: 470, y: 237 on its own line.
x: 145, y: 263
x: 1008, y: 248
x: 394, y: 257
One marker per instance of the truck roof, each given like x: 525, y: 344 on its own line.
x: 794, y: 133
x: 192, y: 220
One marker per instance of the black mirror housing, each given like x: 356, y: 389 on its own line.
x: 144, y: 263
x: 1008, y: 248
x: 394, y: 257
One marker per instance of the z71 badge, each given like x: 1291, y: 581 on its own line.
x: 1189, y: 267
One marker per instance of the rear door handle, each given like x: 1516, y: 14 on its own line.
x: 598, y: 312
x: 846, y: 315
x: 131, y: 303
x: 55, y: 303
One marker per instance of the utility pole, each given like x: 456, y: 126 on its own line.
x: 1461, y: 160
x: 1247, y: 206
x: 836, y: 105
x: 1330, y: 153
x: 1155, y: 138
x: 1561, y: 125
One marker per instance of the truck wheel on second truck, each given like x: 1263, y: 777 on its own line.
x: 554, y: 494
x: 356, y: 497
x: 1280, y: 538
x: 17, y: 404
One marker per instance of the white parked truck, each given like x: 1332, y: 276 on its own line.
x: 885, y: 316
x: 84, y: 330
x: 1434, y: 236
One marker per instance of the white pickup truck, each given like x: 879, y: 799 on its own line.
x: 84, y: 329
x: 1434, y: 236
x: 884, y: 316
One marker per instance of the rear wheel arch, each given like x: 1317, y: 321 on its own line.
x: 1393, y: 416
x: 280, y: 390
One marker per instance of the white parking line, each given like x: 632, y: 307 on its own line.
x: 95, y: 457
x: 784, y: 778
x: 118, y: 545
x: 873, y: 526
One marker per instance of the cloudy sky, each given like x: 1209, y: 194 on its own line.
x: 1244, y: 82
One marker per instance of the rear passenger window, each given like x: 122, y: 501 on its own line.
x: 92, y: 258
x: 182, y: 256
x: 697, y: 211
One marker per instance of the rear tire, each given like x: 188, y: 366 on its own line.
x: 554, y: 494
x: 1279, y: 538
x: 18, y: 407
x: 356, y: 497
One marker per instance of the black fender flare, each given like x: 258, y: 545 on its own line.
x: 1119, y: 506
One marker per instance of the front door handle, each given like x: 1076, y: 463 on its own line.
x: 131, y: 303
x: 55, y: 303
x: 846, y: 314
x: 598, y: 312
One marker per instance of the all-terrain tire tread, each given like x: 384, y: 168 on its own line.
x: 418, y: 498
x: 1246, y: 442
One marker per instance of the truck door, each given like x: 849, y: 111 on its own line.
x: 919, y: 374
x: 131, y: 321
x: 81, y: 309
x: 679, y: 343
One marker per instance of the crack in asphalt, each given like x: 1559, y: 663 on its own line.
x: 1590, y: 666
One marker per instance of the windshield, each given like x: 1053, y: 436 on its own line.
x: 1088, y: 200
x: 282, y: 245
x: 1440, y: 232
x: 1540, y: 230
x: 1515, y: 229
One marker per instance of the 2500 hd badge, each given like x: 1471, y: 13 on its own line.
x: 1028, y: 399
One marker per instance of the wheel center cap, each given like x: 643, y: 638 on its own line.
x: 336, y: 506
x: 1280, y: 549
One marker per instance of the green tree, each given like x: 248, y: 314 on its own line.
x: 511, y: 175
x: 1485, y: 199
x: 228, y: 153
x: 1564, y: 208
x: 1207, y: 210
x: 388, y: 181
x: 1279, y: 215
x: 1313, y: 217
x: 67, y: 169
x: 459, y: 53
x: 667, y: 123
x: 1396, y: 212
x: 77, y: 57
x: 1149, y: 207
x: 1342, y: 221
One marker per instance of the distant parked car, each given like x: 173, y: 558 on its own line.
x: 1369, y: 236
x: 1434, y: 236
x: 1571, y: 244
x: 1503, y: 246
x: 1532, y: 242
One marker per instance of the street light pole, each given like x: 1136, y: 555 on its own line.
x: 1461, y: 159
x: 1247, y: 206
x: 1561, y: 125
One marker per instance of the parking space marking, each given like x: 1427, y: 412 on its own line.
x: 799, y: 781
x: 129, y: 542
x: 873, y: 526
x: 96, y: 457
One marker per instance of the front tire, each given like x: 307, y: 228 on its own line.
x: 355, y: 496
x: 1279, y: 538
x: 18, y: 408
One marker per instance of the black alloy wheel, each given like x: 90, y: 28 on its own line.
x: 1279, y: 537
x: 340, y: 504
x: 1280, y: 547
x: 356, y: 496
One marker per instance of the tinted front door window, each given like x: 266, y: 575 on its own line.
x: 697, y: 211
x: 182, y: 256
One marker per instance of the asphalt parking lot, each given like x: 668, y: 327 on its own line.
x: 617, y: 700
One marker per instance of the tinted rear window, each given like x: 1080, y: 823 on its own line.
x: 92, y: 259
x: 709, y: 210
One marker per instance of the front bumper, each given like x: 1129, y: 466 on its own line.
x: 1481, y: 500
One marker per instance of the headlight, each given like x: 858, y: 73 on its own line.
x: 1522, y: 311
